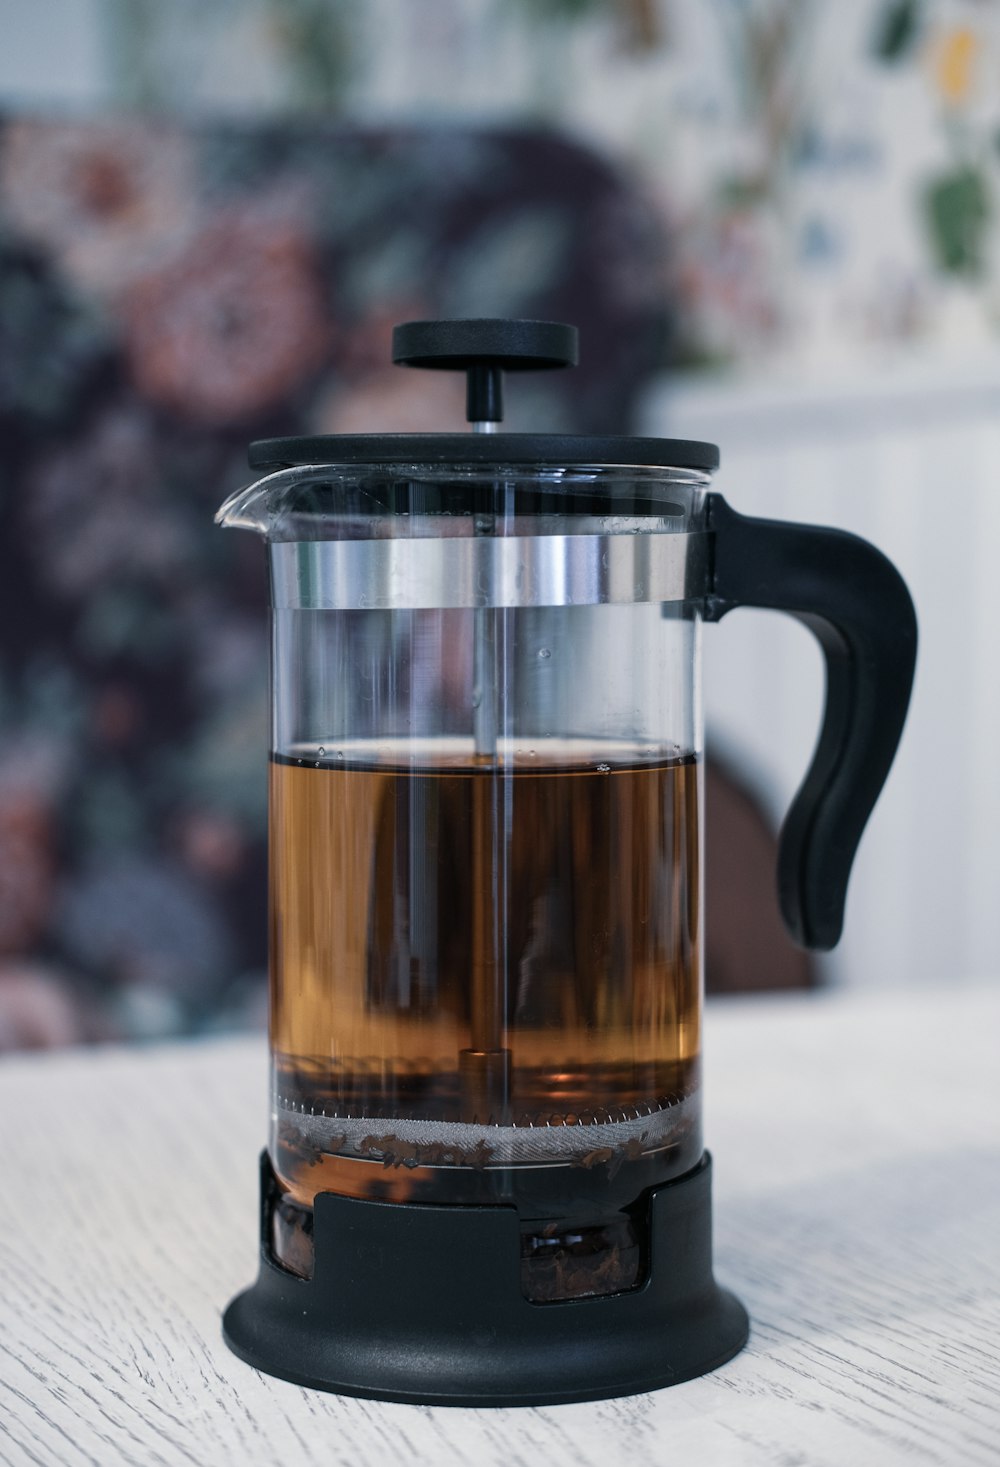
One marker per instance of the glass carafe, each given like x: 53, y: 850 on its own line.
x: 485, y: 820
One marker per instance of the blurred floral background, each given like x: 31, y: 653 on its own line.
x: 167, y: 293
x: 211, y: 213
x: 828, y: 174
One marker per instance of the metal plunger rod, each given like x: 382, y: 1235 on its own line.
x: 486, y: 1018
x: 485, y: 1065
x: 484, y: 685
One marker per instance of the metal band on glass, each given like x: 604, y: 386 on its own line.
x: 518, y: 570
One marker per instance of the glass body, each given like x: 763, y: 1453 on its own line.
x: 485, y: 849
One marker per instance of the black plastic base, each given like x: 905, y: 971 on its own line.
x: 423, y: 1304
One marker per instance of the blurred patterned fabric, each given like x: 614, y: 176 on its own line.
x: 167, y: 294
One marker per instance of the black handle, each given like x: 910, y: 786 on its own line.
x: 485, y: 348
x: 856, y: 603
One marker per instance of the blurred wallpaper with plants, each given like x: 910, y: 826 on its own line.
x: 828, y: 174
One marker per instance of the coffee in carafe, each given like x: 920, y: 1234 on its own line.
x: 588, y: 989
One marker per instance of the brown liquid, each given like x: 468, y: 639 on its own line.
x: 487, y: 948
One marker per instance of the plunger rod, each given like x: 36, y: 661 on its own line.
x: 485, y: 1066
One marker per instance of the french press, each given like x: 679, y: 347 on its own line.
x: 485, y: 1182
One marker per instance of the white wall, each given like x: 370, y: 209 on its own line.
x: 52, y: 51
x: 911, y: 460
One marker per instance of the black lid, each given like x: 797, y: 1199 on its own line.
x: 484, y: 348
x: 516, y: 449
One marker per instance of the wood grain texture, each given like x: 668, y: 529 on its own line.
x: 857, y: 1214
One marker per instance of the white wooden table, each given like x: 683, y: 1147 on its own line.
x: 856, y: 1143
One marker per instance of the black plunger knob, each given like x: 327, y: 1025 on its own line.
x: 483, y: 349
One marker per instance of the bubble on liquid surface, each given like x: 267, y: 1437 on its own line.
x: 604, y: 768
x: 544, y: 653
x: 321, y: 751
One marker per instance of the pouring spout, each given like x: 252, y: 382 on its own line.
x: 257, y: 506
